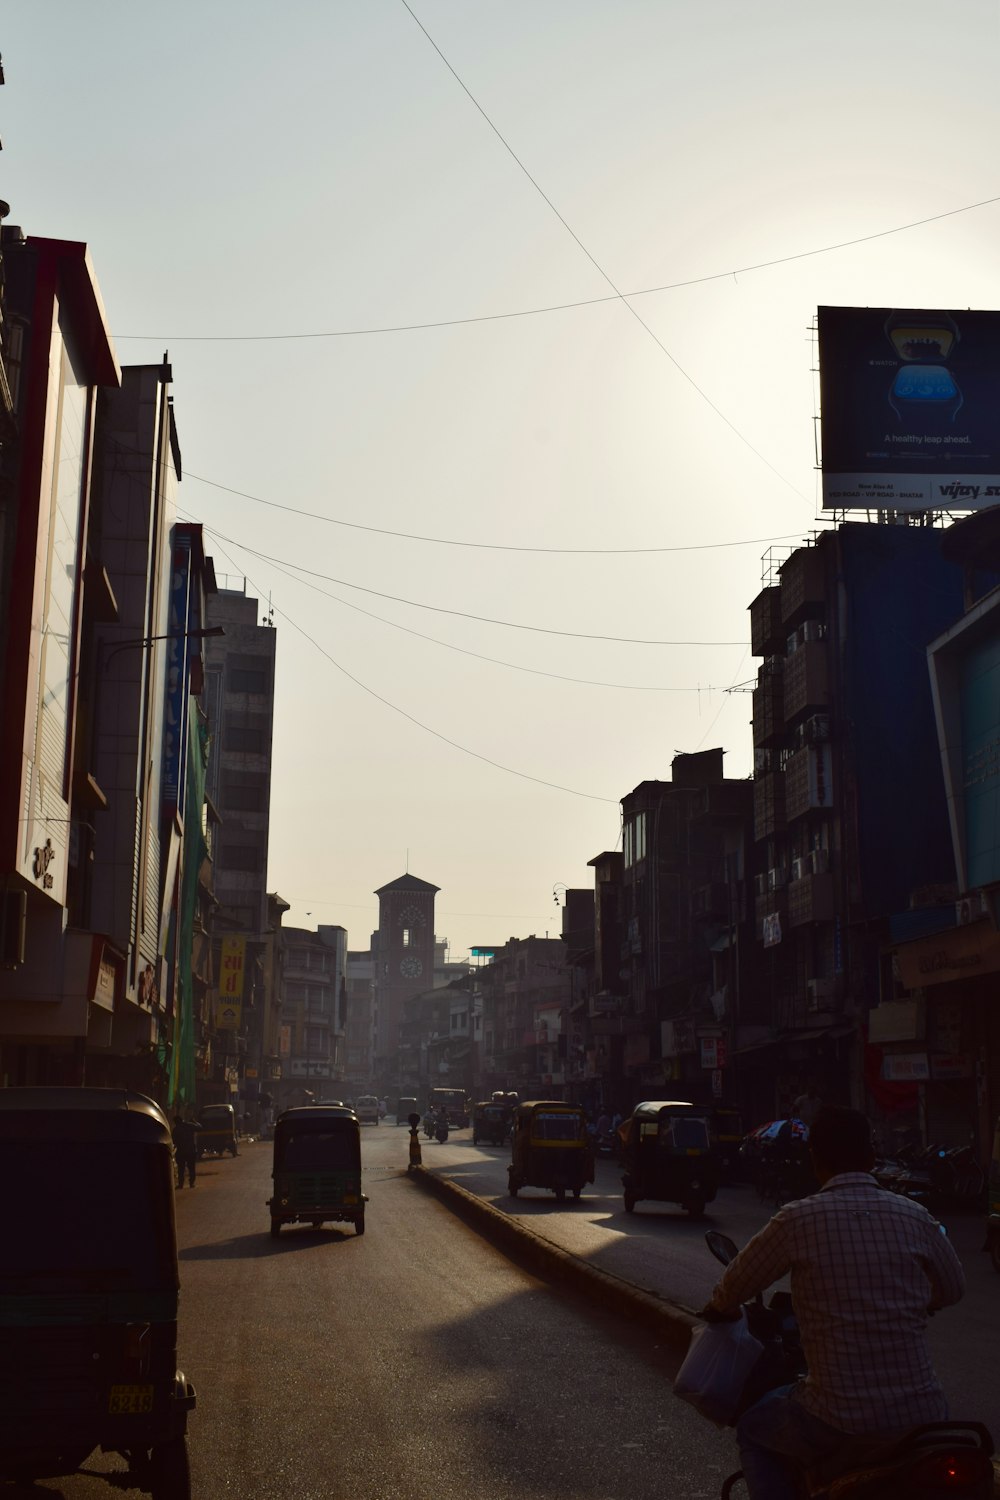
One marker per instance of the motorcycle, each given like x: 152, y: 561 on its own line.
x: 938, y: 1460
x: 441, y: 1129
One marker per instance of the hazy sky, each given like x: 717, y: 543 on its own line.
x: 245, y: 171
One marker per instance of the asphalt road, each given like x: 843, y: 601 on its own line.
x: 413, y: 1363
x: 661, y: 1249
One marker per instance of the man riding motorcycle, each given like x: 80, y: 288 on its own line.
x: 867, y: 1266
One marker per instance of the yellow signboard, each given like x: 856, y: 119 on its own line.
x: 234, y: 950
x: 228, y: 1014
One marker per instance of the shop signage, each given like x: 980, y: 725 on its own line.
x: 42, y: 859
x: 905, y: 1067
x: 228, y: 1014
x: 231, y: 966
x: 710, y: 1052
x: 951, y: 1065
x: 960, y: 953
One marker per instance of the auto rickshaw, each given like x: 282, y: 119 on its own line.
x: 405, y: 1107
x: 317, y: 1168
x: 550, y: 1148
x: 993, y: 1221
x: 217, y: 1130
x: 667, y: 1154
x: 88, y: 1290
x: 490, y: 1123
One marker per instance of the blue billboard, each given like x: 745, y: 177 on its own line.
x: 909, y: 403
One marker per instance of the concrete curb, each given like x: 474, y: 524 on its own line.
x: 672, y: 1323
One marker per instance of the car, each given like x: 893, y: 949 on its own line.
x: 366, y: 1109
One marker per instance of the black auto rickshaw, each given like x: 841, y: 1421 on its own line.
x: 317, y: 1168
x: 405, y: 1107
x: 550, y: 1148
x: 490, y: 1123
x: 88, y: 1289
x: 993, y: 1199
x: 667, y: 1154
x: 217, y: 1130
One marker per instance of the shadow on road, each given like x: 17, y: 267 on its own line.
x: 293, y: 1239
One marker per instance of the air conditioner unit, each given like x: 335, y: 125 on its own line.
x: 818, y: 728
x: 760, y: 885
x: 777, y: 878
x: 800, y: 869
x: 971, y: 908
x: 813, y: 630
x: 820, y: 861
x: 819, y: 992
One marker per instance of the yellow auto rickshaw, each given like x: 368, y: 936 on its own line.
x: 667, y: 1154
x: 217, y: 1130
x: 550, y: 1148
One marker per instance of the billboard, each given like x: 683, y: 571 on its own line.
x: 909, y: 402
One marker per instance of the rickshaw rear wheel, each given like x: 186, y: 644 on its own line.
x: 560, y: 1195
x: 359, y: 1225
x: 577, y: 1192
x: 170, y: 1471
x: 275, y: 1228
x: 234, y: 1149
x: 512, y: 1187
x: 696, y: 1208
x: 995, y: 1251
x: 629, y: 1202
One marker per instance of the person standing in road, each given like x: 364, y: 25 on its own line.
x: 808, y: 1105
x: 185, y: 1134
x: 867, y: 1267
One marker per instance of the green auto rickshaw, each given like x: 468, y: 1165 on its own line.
x: 667, y: 1155
x: 217, y: 1130
x: 550, y: 1148
x: 317, y: 1168
x: 88, y: 1290
x: 490, y: 1123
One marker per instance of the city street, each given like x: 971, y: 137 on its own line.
x: 412, y: 1362
x: 661, y: 1249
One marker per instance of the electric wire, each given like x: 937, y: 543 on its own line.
x: 580, y: 635
x: 637, y: 687
x: 535, y: 312
x: 441, y: 541
x: 427, y: 729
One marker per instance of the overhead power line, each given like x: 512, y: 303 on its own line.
x: 635, y: 687
x: 443, y: 541
x: 427, y: 729
x: 441, y: 609
x: 554, y: 307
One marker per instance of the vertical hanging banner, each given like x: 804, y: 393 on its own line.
x: 176, y: 704
x: 232, y: 962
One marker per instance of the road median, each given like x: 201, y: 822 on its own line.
x: 672, y: 1323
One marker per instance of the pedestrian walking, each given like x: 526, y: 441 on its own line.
x: 185, y: 1134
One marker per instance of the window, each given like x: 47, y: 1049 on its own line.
x: 407, y: 937
x: 250, y: 741
x: 247, y: 857
x: 243, y: 793
x: 247, y: 682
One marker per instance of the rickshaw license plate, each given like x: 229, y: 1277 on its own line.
x: 130, y: 1399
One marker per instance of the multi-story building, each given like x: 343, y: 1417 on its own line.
x: 239, y: 695
x: 102, y: 597
x: 526, y: 995
x: 850, y: 815
x: 314, y: 1005
x: 684, y: 940
x: 360, y: 1041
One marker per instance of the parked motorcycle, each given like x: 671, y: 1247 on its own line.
x: 938, y: 1460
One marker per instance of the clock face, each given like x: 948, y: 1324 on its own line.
x: 412, y: 916
x: 411, y: 968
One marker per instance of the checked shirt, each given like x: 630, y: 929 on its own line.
x: 866, y: 1268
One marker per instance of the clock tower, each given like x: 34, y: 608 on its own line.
x: 405, y: 959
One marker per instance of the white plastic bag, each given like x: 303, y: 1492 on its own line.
x: 719, y: 1359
